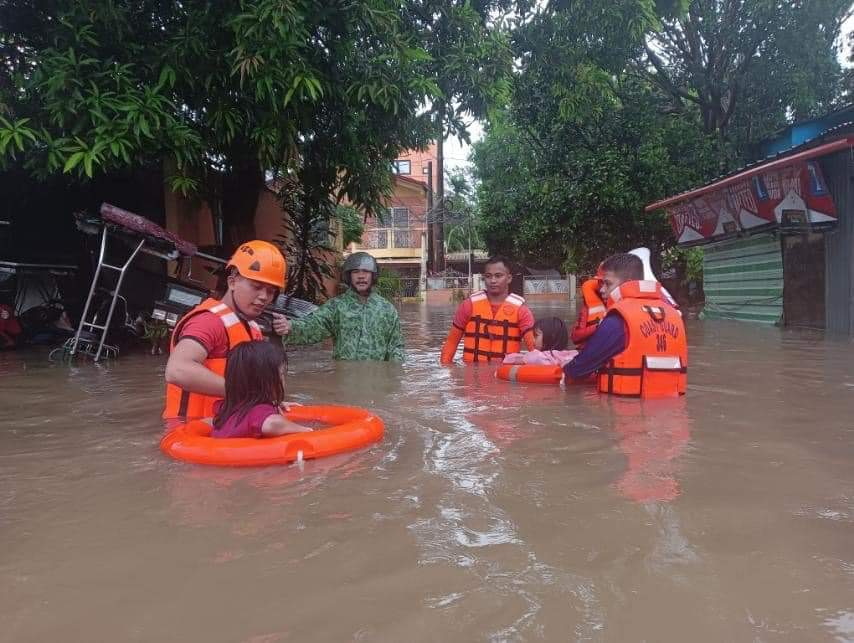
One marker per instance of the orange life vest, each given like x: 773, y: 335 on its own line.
x: 655, y: 361
x: 186, y: 404
x: 591, y: 314
x: 488, y: 337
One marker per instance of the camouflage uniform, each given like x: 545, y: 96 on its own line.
x: 360, y: 330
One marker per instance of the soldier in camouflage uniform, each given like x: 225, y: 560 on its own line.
x: 363, y: 325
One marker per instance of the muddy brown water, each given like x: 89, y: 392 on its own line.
x: 490, y: 511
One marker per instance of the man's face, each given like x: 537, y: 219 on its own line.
x: 361, y: 280
x: 609, y: 281
x: 251, y: 297
x: 497, y: 278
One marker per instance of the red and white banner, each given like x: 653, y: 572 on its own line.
x: 755, y: 201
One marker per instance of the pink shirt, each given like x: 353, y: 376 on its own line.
x: 546, y: 358
x: 249, y: 426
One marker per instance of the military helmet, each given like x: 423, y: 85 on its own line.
x: 360, y: 261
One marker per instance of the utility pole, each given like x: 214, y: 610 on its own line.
x: 430, y: 215
x: 439, y: 226
x: 469, y: 222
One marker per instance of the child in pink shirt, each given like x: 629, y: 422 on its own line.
x: 551, y: 338
x: 254, y: 393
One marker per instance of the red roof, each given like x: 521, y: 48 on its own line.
x: 813, y: 152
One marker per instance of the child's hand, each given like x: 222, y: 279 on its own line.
x: 287, y: 406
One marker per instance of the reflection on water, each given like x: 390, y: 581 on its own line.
x: 491, y: 510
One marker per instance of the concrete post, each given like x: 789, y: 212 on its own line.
x: 572, y: 283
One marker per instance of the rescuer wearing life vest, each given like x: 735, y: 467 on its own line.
x: 591, y: 313
x: 640, y: 348
x: 204, y: 336
x: 492, y: 322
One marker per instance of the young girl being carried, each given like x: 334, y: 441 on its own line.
x: 254, y: 393
x: 550, y: 339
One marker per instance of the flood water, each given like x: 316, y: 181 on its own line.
x: 491, y: 511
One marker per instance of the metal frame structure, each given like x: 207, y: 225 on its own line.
x: 86, y: 345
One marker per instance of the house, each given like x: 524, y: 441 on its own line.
x: 193, y: 220
x: 778, y: 235
x: 398, y: 238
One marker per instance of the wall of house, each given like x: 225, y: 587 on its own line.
x: 192, y: 220
x: 838, y: 170
x: 743, y: 279
x: 418, y: 163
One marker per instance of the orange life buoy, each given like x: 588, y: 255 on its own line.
x: 535, y: 373
x: 350, y: 428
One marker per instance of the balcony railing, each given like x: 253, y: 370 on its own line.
x: 378, y: 238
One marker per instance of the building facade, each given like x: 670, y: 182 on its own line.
x: 777, y: 235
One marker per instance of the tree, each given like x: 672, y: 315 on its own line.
x: 566, y: 171
x: 577, y: 195
x: 470, y: 62
x: 225, y: 90
x: 462, y: 233
x: 748, y: 66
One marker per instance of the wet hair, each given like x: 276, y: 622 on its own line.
x: 555, y: 333
x: 627, y: 267
x: 252, y: 378
x: 499, y: 259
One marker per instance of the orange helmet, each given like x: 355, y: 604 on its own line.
x: 260, y: 261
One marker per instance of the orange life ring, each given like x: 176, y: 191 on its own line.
x: 535, y: 373
x: 350, y: 428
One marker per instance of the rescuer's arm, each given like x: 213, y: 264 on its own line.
x: 314, y: 328
x: 186, y: 369
x: 528, y: 338
x: 449, y: 348
x: 608, y: 340
x: 526, y: 327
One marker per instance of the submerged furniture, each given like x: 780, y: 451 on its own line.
x: 141, y: 235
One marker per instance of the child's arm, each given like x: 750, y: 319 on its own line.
x: 275, y: 424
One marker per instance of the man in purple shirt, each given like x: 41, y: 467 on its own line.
x: 610, y: 338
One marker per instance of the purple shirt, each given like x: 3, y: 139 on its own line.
x: 608, y: 340
x: 249, y: 426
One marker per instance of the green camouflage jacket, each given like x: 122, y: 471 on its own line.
x: 360, y: 330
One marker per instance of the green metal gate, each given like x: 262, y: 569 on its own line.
x: 743, y: 279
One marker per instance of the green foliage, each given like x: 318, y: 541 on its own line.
x: 225, y: 90
x: 352, y: 224
x: 748, y: 67
x: 618, y: 104
x: 468, y: 59
x: 389, y: 284
x: 688, y: 262
x: 573, y: 194
x: 458, y: 295
x: 461, y: 215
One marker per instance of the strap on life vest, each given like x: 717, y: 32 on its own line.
x: 183, y: 403
x: 487, y: 336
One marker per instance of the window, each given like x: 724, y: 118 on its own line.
x: 817, y: 186
x: 401, y: 167
x: 759, y: 188
x: 400, y: 217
